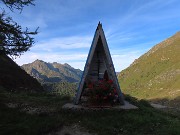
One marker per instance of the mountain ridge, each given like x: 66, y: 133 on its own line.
x: 52, y: 72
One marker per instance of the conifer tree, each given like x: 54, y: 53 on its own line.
x: 13, y: 39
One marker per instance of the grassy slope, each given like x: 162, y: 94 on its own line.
x: 14, y: 78
x: 144, y: 121
x: 156, y: 74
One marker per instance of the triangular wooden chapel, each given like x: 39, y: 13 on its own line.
x: 99, y: 63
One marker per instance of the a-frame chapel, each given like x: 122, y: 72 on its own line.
x: 99, y: 65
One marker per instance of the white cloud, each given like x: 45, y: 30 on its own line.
x: 78, y: 60
x: 77, y: 64
x: 124, y: 60
x: 51, y: 57
x: 137, y: 21
x: 74, y: 42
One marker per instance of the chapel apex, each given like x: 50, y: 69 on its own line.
x: 99, y: 25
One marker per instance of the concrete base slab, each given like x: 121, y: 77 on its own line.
x: 126, y: 106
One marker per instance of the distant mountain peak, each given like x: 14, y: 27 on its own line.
x: 52, y: 72
x: 54, y: 63
x: 37, y: 60
x: 67, y: 65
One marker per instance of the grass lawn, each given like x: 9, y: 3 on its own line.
x: 16, y: 120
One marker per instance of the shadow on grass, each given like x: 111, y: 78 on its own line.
x: 175, y: 103
x: 143, y: 121
x: 172, y: 105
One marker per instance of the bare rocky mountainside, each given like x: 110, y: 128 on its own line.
x: 156, y: 74
x: 52, y: 72
x: 14, y: 78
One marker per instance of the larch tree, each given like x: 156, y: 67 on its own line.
x: 14, y: 41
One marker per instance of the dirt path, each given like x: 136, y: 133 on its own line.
x: 158, y: 106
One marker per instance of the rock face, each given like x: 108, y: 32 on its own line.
x: 14, y: 78
x: 52, y: 72
x: 156, y: 74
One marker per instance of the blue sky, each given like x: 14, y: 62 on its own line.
x: 67, y: 28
